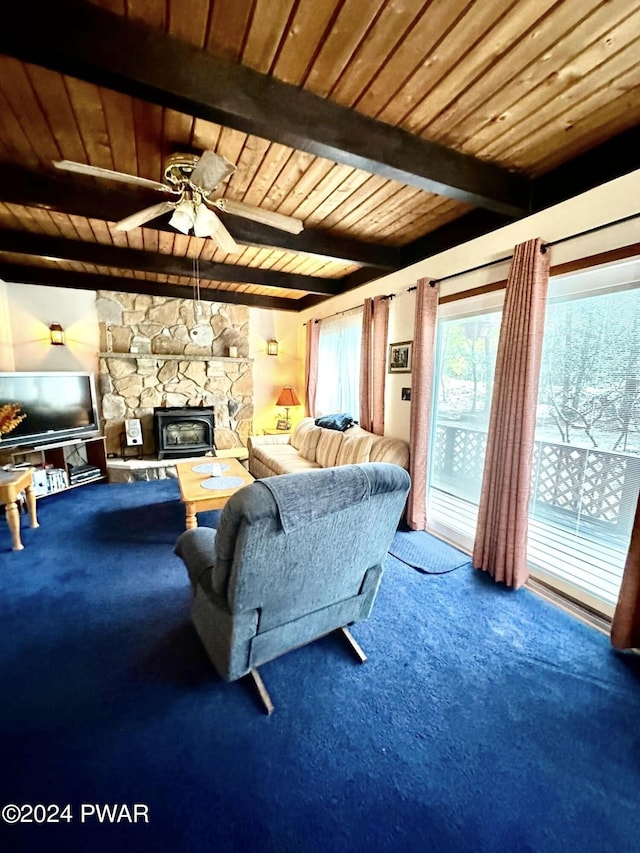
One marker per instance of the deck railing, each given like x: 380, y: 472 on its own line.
x: 571, y: 485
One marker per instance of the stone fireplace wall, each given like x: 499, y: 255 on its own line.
x: 158, y: 351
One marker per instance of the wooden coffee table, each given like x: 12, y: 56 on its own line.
x: 196, y: 497
x: 11, y: 484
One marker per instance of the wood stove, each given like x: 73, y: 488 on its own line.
x: 182, y: 431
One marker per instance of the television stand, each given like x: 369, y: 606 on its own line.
x: 63, y: 465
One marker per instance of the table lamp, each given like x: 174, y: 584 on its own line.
x: 286, y: 399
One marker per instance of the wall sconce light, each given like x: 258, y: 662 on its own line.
x: 57, y: 335
x: 272, y: 347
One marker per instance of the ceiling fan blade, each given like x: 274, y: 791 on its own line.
x: 145, y: 215
x: 259, y: 214
x: 222, y: 237
x: 225, y: 240
x: 210, y: 171
x: 110, y: 175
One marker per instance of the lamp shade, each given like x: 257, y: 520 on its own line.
x: 206, y: 222
x: 287, y: 397
x: 183, y: 216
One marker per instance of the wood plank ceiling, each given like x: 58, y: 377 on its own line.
x: 392, y: 128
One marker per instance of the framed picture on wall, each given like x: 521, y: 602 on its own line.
x: 400, y: 357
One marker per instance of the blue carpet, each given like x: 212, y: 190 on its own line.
x: 427, y: 553
x: 484, y: 720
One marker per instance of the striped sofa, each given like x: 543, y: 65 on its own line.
x: 310, y: 447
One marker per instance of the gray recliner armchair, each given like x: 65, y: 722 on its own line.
x: 294, y: 557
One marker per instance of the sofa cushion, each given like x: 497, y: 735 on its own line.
x: 291, y: 464
x: 309, y: 444
x: 269, y: 452
x: 340, y: 422
x: 329, y: 444
x: 300, y: 430
x: 354, y: 449
x: 393, y: 450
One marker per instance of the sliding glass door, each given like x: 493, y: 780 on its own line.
x: 586, y: 462
x: 465, y: 362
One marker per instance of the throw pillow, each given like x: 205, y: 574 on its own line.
x: 340, y: 422
x: 354, y: 450
x: 328, y: 446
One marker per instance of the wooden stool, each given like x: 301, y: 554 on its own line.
x: 12, y: 483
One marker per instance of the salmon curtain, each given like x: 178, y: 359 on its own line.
x: 500, y: 547
x: 421, y: 398
x: 373, y: 363
x: 625, y: 629
x: 311, y: 367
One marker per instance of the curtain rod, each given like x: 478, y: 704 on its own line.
x: 543, y: 249
x: 348, y: 310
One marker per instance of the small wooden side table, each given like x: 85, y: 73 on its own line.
x: 276, y: 431
x: 11, y: 484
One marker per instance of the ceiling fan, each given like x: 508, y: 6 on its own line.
x: 190, y: 180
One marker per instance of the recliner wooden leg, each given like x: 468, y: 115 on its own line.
x: 354, y: 645
x: 262, y: 691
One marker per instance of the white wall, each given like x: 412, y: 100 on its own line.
x: 272, y: 372
x: 605, y: 204
x: 397, y: 410
x: 30, y: 311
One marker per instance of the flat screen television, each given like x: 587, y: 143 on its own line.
x: 58, y: 407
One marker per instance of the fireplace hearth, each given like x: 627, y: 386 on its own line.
x: 182, y: 431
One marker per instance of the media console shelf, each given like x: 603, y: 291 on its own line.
x: 63, y: 465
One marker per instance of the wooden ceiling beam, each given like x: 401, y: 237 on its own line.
x: 42, y: 245
x: 110, y: 202
x: 25, y: 274
x: 82, y: 40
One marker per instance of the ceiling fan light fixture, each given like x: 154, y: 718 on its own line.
x: 206, y: 223
x: 190, y: 180
x: 184, y: 216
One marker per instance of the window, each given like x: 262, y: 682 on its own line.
x: 339, y: 364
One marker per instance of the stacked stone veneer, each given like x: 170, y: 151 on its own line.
x: 157, y: 351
